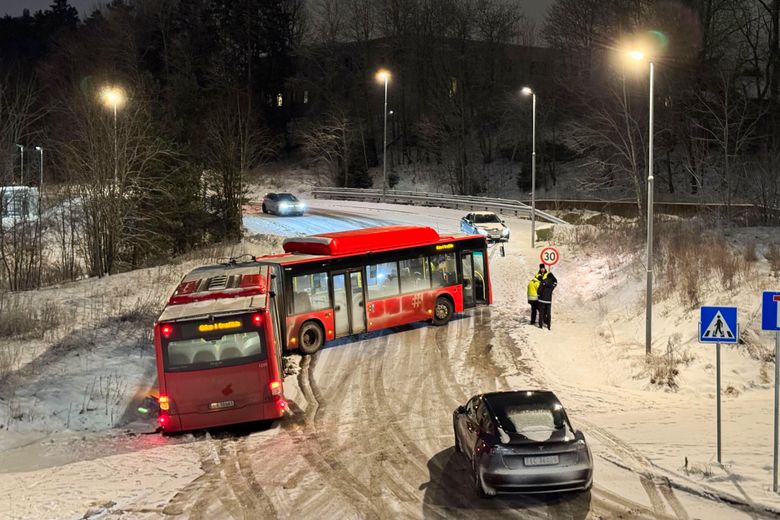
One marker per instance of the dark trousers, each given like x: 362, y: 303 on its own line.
x: 545, y: 314
x: 534, y: 310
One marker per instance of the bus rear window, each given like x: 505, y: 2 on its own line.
x: 189, y: 350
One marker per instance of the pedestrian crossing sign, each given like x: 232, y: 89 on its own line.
x: 718, y: 325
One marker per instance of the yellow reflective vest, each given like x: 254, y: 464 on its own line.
x: 533, y: 288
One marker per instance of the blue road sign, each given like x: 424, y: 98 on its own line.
x: 770, y: 310
x: 718, y: 325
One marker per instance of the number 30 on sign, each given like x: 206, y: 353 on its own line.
x: 549, y: 256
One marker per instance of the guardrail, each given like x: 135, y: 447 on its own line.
x: 441, y: 200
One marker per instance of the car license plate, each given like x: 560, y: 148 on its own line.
x: 549, y: 460
x: 222, y: 404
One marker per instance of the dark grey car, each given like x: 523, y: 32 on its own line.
x: 522, y: 442
x: 283, y: 204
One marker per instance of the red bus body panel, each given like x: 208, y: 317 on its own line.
x: 408, y: 308
x: 325, y: 317
x: 247, y: 385
x: 361, y: 241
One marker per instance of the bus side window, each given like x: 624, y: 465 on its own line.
x: 443, y: 270
x: 310, y: 293
x: 414, y: 275
x: 382, y: 280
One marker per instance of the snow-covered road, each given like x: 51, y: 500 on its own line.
x: 371, y: 434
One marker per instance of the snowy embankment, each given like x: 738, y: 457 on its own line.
x: 594, y: 359
x: 69, y: 425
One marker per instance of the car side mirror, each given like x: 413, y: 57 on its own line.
x: 461, y: 409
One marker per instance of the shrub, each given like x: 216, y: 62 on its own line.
x: 773, y: 257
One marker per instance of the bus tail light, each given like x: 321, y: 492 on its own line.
x: 165, y: 403
x: 257, y: 319
x: 275, y: 387
x: 166, y: 330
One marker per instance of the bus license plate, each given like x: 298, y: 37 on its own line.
x: 541, y: 461
x: 222, y: 404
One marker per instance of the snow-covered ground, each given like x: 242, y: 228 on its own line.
x: 370, y: 437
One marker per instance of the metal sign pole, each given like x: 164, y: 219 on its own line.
x: 777, y: 401
x: 717, y: 390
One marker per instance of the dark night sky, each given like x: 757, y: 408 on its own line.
x: 534, y: 8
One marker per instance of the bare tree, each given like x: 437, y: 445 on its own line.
x: 612, y: 138
x: 728, y: 124
x: 233, y: 147
x: 20, y: 244
x: 330, y: 143
x: 116, y: 175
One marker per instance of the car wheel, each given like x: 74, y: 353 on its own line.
x: 479, y: 486
x: 265, y: 210
x: 442, y: 311
x: 310, y: 338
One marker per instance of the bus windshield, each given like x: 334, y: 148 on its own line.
x: 214, y: 350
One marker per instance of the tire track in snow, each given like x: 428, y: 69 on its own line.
x: 330, y: 470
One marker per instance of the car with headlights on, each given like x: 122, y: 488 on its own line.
x: 283, y: 204
x: 522, y: 442
x: 487, y: 224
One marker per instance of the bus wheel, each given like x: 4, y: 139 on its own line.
x: 443, y: 311
x: 311, y: 338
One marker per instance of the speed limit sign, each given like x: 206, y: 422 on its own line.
x: 549, y: 256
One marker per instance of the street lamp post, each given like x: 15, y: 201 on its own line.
x: 40, y: 184
x: 640, y: 56
x: 384, y: 75
x: 114, y: 97
x: 529, y: 92
x: 21, y: 163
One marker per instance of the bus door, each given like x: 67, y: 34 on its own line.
x: 474, y: 283
x: 349, y: 302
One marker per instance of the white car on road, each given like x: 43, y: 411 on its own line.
x: 487, y: 224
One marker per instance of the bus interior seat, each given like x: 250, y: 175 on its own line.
x: 252, y: 346
x: 302, y: 302
x: 178, y: 358
x: 229, y: 353
x: 204, y: 356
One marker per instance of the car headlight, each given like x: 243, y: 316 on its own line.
x: 505, y: 232
x: 482, y: 231
x: 284, y: 205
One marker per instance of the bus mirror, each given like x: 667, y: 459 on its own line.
x: 272, y: 294
x: 273, y: 276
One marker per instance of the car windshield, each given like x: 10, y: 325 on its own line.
x: 536, y: 421
x: 287, y: 197
x: 486, y: 219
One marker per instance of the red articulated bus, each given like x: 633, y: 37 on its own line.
x: 220, y: 339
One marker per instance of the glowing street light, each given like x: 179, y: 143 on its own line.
x: 640, y: 57
x: 383, y: 75
x: 114, y: 97
x: 529, y: 92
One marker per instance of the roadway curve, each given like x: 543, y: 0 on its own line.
x: 371, y: 433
